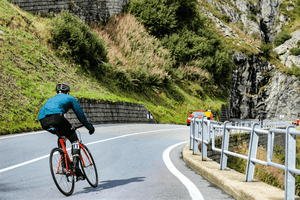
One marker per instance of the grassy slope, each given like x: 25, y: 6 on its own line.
x: 30, y: 69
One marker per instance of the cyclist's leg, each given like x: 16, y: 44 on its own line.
x: 66, y: 129
x: 54, y: 121
x: 76, y: 160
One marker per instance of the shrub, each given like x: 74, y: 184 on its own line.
x: 226, y: 18
x: 281, y: 38
x: 295, y: 51
x: 76, y: 40
x: 157, y: 16
x: 289, y: 72
x: 252, y: 18
x: 266, y: 48
x: 183, y: 47
x: 180, y: 27
x: 164, y: 17
x: 298, y: 6
x: 187, y: 46
x: 296, y: 70
x: 254, y: 10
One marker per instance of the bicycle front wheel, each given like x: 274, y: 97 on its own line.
x: 89, y: 167
x: 63, y: 180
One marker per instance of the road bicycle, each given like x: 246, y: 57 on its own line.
x: 61, y: 165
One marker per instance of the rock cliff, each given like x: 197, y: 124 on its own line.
x: 258, y: 87
x: 284, y: 50
x: 258, y: 19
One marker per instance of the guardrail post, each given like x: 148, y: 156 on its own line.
x: 252, y: 154
x: 192, y: 132
x: 271, y: 138
x: 196, y: 134
x: 204, y: 134
x: 290, y: 155
x: 225, y: 144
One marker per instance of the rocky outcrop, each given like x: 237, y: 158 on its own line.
x: 284, y: 50
x: 227, y: 9
x: 258, y: 19
x: 248, y: 77
x: 227, y: 31
x: 269, y: 14
x: 282, y: 97
x: 258, y: 87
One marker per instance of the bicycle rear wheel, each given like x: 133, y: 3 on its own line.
x: 63, y: 180
x: 89, y: 167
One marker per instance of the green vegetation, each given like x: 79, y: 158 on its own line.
x: 281, y: 38
x: 266, y: 49
x: 73, y: 39
x: 267, y: 174
x: 38, y: 52
x: 294, y: 71
x: 252, y: 17
x: 182, y: 31
x: 295, y: 51
x: 292, y: 13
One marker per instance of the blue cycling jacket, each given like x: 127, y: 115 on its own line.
x: 61, y: 104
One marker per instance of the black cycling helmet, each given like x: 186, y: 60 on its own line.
x: 62, y: 88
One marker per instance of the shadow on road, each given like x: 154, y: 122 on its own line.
x: 111, y: 184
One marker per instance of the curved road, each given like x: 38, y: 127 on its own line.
x: 134, y: 161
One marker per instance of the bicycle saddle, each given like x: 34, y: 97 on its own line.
x: 54, y: 130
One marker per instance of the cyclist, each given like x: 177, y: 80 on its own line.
x: 52, y: 115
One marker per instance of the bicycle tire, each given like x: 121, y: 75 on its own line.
x: 65, y: 182
x: 88, y: 167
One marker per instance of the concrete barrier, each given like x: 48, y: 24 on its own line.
x: 88, y: 10
x: 109, y: 113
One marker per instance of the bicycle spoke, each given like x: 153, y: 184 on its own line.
x: 89, y: 167
x: 64, y: 182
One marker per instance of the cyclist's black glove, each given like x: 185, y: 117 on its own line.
x: 92, y: 131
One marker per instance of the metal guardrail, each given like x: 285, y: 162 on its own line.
x: 263, y: 124
x: 204, y: 130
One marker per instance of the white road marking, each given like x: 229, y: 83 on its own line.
x: 46, y: 156
x: 132, y: 135
x: 24, y: 163
x: 20, y: 134
x: 193, y: 190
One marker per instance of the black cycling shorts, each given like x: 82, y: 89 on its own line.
x: 61, y: 124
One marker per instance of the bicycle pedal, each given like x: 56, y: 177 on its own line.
x: 69, y: 177
x: 80, y: 178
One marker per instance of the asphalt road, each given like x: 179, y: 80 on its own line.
x: 134, y: 161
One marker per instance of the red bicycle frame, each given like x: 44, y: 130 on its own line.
x: 67, y: 158
x: 82, y: 148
